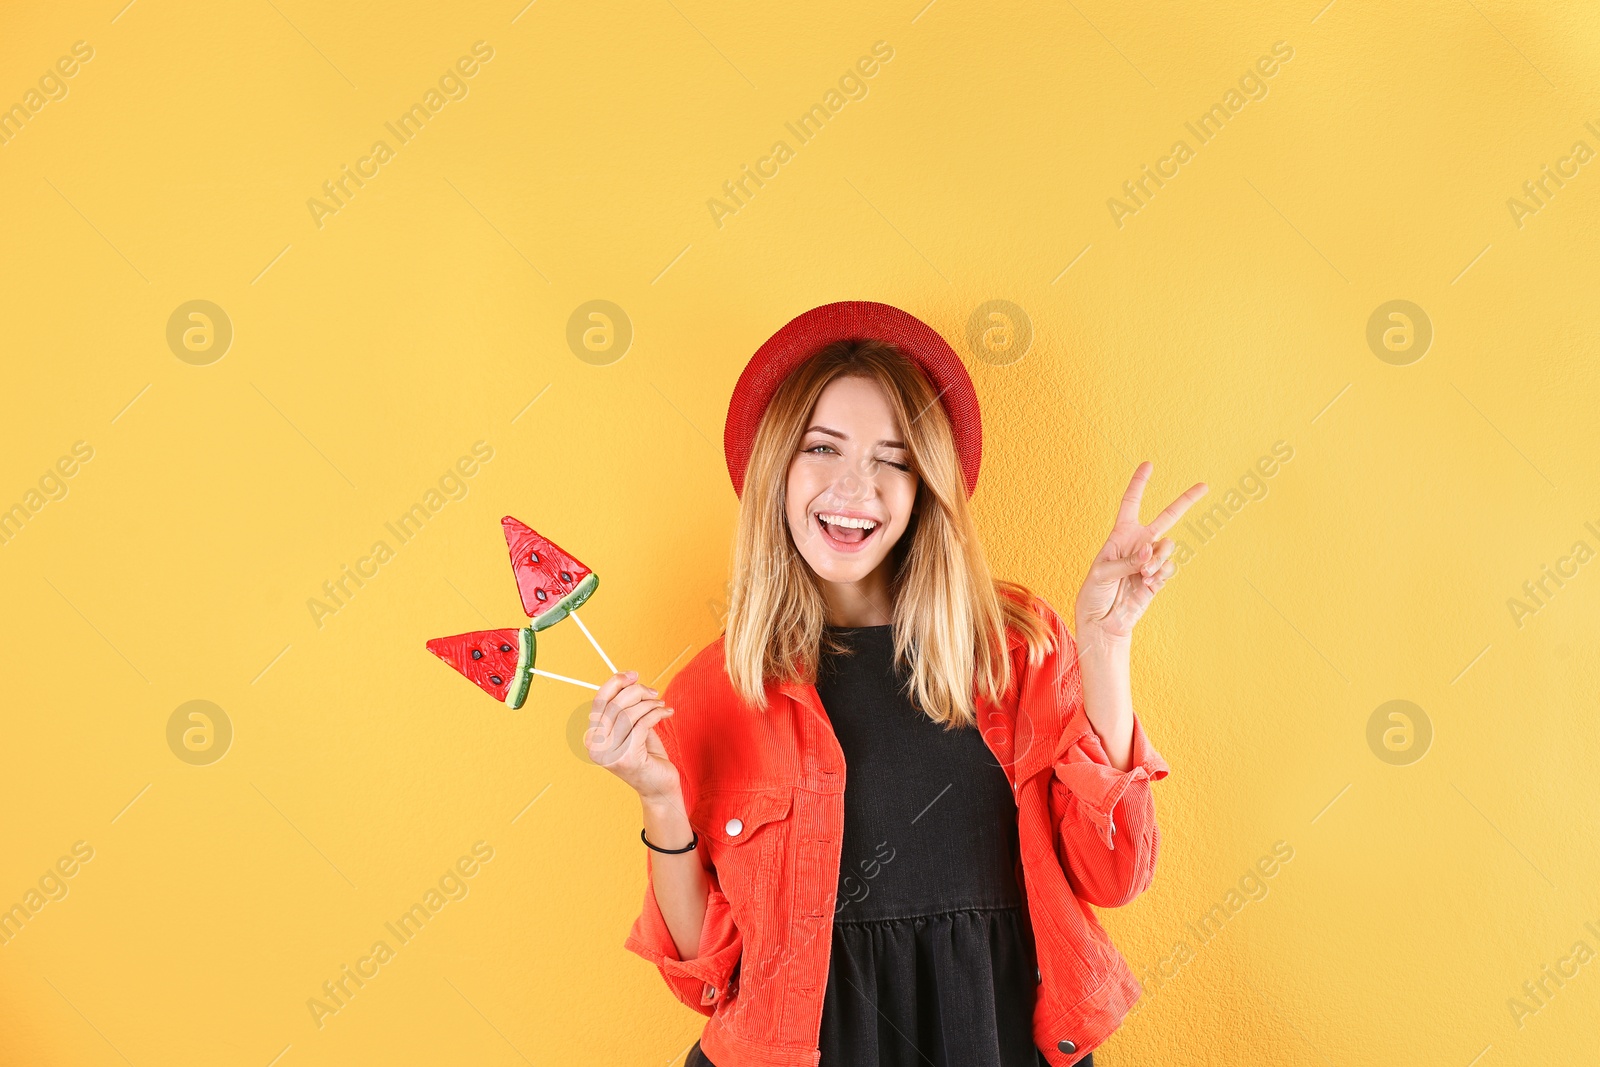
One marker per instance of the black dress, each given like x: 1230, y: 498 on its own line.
x: 932, y: 961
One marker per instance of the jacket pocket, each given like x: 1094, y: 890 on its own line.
x: 743, y: 843
x: 744, y: 831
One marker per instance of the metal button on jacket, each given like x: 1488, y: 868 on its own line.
x: 734, y: 827
x: 1066, y: 1046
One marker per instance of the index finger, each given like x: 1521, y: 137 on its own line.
x: 612, y: 686
x: 1128, y: 510
x: 1174, y: 511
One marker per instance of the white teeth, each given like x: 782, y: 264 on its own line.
x: 844, y: 520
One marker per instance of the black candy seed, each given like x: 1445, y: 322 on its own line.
x: 565, y: 577
x: 477, y: 653
x: 505, y: 648
x: 540, y: 593
x: 495, y: 678
x: 534, y: 556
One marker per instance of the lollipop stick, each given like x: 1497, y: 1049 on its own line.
x: 593, y: 642
x: 563, y: 678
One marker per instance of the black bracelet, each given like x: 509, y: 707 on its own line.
x: 674, y: 851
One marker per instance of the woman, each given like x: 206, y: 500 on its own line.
x: 896, y: 785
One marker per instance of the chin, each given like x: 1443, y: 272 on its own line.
x: 842, y: 572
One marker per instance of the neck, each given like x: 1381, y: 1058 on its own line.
x: 867, y: 602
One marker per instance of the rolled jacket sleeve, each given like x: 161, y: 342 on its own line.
x: 703, y: 981
x: 700, y: 982
x: 1105, y: 818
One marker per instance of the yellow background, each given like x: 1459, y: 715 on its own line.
x: 371, y: 352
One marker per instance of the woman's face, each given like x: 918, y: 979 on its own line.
x: 850, y: 487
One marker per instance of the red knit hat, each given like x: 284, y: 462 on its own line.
x: 804, y: 334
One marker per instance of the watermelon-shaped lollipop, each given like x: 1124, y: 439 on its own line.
x: 552, y: 582
x: 552, y: 585
x: 500, y: 662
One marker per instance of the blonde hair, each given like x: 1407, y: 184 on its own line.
x: 950, y: 616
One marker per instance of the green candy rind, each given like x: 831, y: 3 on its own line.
x: 567, y: 604
x: 526, y: 646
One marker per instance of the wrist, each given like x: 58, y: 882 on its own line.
x: 666, y: 824
x: 664, y: 804
x: 1094, y: 644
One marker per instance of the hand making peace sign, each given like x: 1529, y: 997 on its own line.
x: 1131, y: 567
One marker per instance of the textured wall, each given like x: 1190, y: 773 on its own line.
x: 358, y: 342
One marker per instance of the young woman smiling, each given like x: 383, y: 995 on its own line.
x: 880, y: 807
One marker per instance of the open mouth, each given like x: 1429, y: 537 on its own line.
x: 846, y: 533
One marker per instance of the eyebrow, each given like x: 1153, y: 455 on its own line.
x: 846, y: 437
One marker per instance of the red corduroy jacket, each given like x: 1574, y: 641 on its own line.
x: 765, y: 791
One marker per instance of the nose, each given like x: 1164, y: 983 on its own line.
x: 858, y: 482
